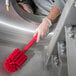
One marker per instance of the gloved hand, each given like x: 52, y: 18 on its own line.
x: 43, y: 28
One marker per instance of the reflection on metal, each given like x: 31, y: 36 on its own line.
x: 16, y: 30
x: 25, y: 15
x: 16, y: 27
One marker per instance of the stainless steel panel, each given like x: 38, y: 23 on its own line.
x: 71, y: 49
x: 15, y: 32
x: 59, y: 31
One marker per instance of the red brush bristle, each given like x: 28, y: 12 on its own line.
x: 17, y: 57
x: 15, y: 60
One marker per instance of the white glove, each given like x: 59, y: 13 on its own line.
x: 43, y: 28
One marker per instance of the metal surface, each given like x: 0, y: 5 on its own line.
x: 67, y: 17
x: 71, y: 50
x: 33, y: 67
x: 63, y: 70
x: 17, y: 32
x: 25, y: 15
x: 71, y: 40
x: 59, y: 30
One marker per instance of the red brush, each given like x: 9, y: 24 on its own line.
x: 16, y: 59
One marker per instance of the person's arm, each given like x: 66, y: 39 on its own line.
x: 54, y: 13
x: 47, y: 22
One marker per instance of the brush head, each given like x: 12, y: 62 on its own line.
x: 15, y: 60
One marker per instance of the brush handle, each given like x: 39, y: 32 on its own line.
x: 30, y: 43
